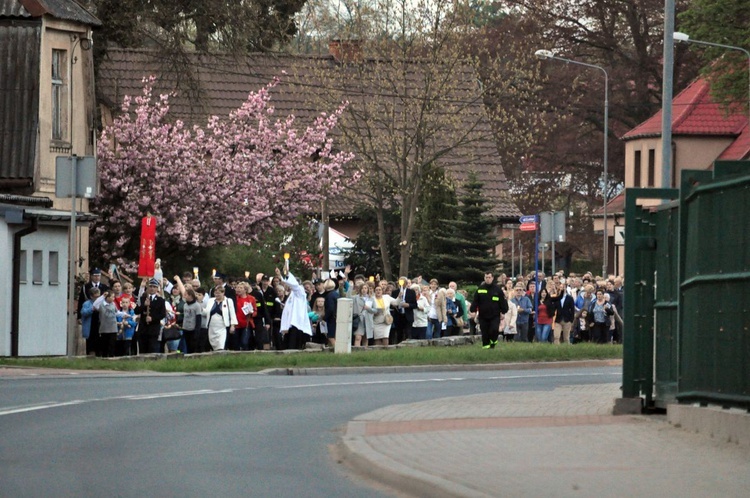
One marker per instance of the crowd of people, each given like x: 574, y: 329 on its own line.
x: 279, y: 312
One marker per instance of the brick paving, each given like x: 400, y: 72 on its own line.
x: 559, y: 443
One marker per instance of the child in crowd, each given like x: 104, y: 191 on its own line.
x: 127, y: 291
x: 170, y: 332
x: 317, y: 321
x: 581, y: 326
x: 126, y: 324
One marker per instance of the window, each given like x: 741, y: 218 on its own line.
x: 54, y: 271
x: 36, y: 264
x: 636, y: 169
x: 651, y: 167
x: 59, y: 96
x: 22, y: 276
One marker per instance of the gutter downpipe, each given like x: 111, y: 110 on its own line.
x: 16, y: 298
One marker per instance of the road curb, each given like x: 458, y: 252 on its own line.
x: 362, y: 459
x: 444, y: 368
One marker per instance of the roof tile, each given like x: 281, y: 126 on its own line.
x: 220, y: 84
x: 694, y: 113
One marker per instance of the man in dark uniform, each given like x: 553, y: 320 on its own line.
x: 152, y: 310
x: 221, y: 279
x: 263, y: 320
x: 95, y: 281
x: 406, y: 301
x: 490, y: 303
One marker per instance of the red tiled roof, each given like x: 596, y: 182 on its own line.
x: 694, y: 113
x: 739, y: 149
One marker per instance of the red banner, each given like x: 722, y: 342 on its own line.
x: 147, y: 257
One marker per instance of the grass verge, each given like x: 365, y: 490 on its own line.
x: 256, y: 361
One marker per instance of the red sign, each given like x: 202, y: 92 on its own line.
x: 529, y: 227
x: 147, y: 256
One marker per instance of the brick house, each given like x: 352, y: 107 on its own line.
x: 702, y: 132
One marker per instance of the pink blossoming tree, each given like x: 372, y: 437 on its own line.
x: 226, y: 183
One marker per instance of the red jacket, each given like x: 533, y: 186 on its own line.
x: 244, y: 320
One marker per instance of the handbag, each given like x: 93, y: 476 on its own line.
x: 388, y: 318
x: 460, y: 322
x: 171, y: 334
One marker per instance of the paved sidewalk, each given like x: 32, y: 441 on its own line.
x: 560, y: 443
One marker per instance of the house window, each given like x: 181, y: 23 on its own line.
x: 36, y: 267
x: 637, y: 169
x: 54, y: 272
x: 651, y: 167
x: 59, y: 100
x: 22, y: 268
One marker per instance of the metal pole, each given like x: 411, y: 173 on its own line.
x: 546, y: 54
x: 520, y: 257
x: 666, y: 95
x: 512, y: 252
x: 605, y: 189
x: 536, y: 272
x: 554, y: 236
x: 544, y: 246
x: 72, y: 321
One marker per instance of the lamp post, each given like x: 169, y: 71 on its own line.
x: 685, y: 38
x: 546, y: 54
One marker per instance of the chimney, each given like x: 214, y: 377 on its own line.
x: 346, y: 51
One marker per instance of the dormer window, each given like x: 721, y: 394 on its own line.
x: 59, y: 100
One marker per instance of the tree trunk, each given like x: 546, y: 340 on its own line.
x: 382, y: 241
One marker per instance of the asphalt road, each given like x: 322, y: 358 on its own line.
x: 213, y: 435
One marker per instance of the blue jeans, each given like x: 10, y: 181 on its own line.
x: 542, y: 332
x: 522, y: 332
x: 434, y: 328
x: 244, y: 338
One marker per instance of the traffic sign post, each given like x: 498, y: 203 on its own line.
x: 529, y: 227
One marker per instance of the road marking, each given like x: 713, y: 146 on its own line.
x: 139, y: 397
x: 43, y: 406
x: 201, y: 392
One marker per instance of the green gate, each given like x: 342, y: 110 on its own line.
x: 687, y: 290
x: 714, y: 356
x: 651, y: 238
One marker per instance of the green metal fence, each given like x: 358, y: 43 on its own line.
x: 714, y: 354
x: 687, y: 290
x: 648, y: 243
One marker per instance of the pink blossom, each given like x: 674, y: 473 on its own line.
x: 195, y: 179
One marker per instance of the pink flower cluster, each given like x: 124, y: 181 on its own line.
x: 227, y: 183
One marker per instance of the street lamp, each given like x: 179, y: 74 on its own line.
x: 547, y: 54
x: 685, y: 38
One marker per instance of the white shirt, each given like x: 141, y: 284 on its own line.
x: 295, y: 309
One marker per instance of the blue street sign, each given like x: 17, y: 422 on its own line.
x: 529, y: 218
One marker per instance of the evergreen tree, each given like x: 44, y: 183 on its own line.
x: 464, y: 247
